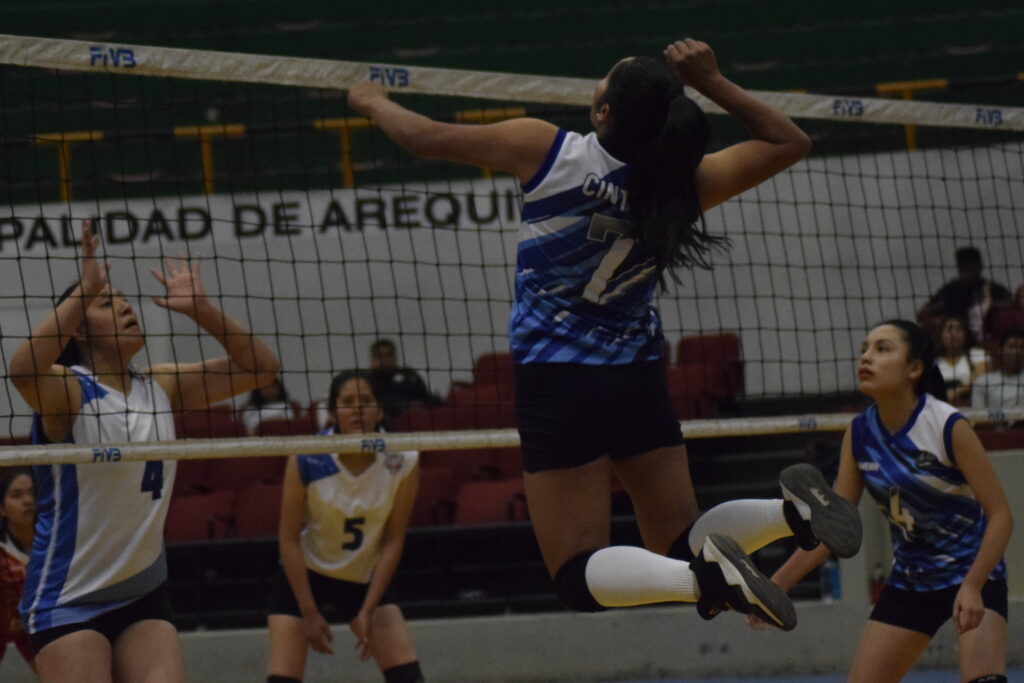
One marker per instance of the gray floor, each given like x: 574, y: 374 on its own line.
x: 934, y: 676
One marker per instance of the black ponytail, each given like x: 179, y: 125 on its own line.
x: 920, y: 347
x: 663, y: 135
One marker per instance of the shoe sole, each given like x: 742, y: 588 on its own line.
x: 764, y: 598
x: 834, y: 520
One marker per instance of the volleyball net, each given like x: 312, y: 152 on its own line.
x: 325, y: 237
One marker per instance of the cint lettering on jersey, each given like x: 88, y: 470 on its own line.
x: 593, y: 186
x: 106, y: 455
x: 390, y: 75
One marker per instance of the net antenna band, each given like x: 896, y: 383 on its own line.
x: 141, y: 60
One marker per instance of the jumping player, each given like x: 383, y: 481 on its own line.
x: 95, y: 602
x: 950, y: 521
x: 343, y: 524
x: 606, y: 217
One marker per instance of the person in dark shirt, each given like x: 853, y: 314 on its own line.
x: 399, y: 388
x: 969, y: 296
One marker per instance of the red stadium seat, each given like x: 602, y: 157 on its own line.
x: 495, y: 369
x: 482, y: 502
x: 420, y: 419
x: 297, y: 426
x: 693, y: 388
x: 217, y: 422
x: 192, y: 477
x: 258, y: 511
x: 238, y: 473
x: 199, y: 516
x: 720, y: 350
x: 1002, y: 439
x: 434, y: 504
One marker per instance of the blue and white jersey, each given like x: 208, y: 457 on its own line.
x: 936, y: 523
x: 583, y: 292
x: 99, y: 533
x: 346, y: 513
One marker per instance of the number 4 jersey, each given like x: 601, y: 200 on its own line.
x: 99, y: 532
x: 346, y: 513
x: 583, y: 292
x: 936, y: 523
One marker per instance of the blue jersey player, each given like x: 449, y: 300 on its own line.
x: 95, y: 603
x: 926, y: 469
x: 606, y: 217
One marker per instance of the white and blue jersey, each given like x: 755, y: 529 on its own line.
x: 583, y: 292
x: 346, y: 513
x: 99, y: 533
x: 936, y: 523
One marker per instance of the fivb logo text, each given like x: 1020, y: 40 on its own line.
x: 112, y: 56
x: 390, y: 75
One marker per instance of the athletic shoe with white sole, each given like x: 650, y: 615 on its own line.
x: 728, y: 579
x: 818, y: 512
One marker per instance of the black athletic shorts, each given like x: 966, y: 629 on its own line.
x: 337, y: 600
x: 571, y: 414
x: 926, y: 611
x: 152, y: 605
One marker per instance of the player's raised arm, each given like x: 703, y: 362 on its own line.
x: 249, y: 363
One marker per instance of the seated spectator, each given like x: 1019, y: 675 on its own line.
x: 17, y: 527
x: 398, y: 388
x: 267, y: 403
x: 960, y: 359
x: 969, y: 296
x: 1003, y: 388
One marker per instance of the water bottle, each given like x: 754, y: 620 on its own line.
x: 831, y: 590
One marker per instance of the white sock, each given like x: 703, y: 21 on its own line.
x: 751, y: 523
x: 622, y: 576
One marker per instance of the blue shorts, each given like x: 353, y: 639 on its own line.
x: 572, y: 414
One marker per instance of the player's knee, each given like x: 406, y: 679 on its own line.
x: 571, y: 584
x: 387, y: 614
x: 991, y: 678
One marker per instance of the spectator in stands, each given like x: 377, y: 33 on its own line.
x: 607, y: 216
x: 926, y: 469
x: 959, y: 359
x: 343, y: 524
x: 1003, y: 388
x: 267, y: 403
x: 399, y: 388
x: 970, y: 296
x: 17, y: 524
x: 95, y: 597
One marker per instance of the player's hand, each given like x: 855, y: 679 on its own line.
x: 363, y: 95
x: 185, y: 292
x: 360, y: 626
x: 94, y: 275
x: 757, y: 623
x: 318, y: 632
x: 694, y: 61
x: 968, y: 609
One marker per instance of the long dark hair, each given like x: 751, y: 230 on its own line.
x: 920, y: 347
x: 662, y: 134
x: 71, y: 354
x: 7, y: 477
x: 341, y: 379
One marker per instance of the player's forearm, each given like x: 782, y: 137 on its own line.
x: 295, y: 570
x: 49, y: 338
x: 387, y: 565
x: 798, y: 566
x: 762, y: 120
x: 243, y: 347
x: 407, y: 128
x: 993, y: 545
